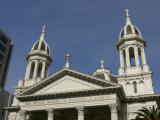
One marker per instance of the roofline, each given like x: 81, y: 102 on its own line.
x: 60, y: 95
x: 64, y: 71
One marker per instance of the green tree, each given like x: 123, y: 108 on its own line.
x: 145, y: 113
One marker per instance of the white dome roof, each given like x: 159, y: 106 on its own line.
x: 129, y: 30
x: 41, y: 45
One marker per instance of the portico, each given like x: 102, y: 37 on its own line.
x: 77, y: 113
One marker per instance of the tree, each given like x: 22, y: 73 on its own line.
x: 145, y: 113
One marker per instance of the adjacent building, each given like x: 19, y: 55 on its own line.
x: 73, y: 95
x: 6, y: 47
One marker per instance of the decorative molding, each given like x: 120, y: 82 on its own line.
x: 71, y: 73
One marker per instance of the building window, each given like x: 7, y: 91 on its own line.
x: 135, y: 87
x: 3, y: 39
x: 2, y: 48
x: 129, y: 29
x: 1, y: 57
x: 43, y: 46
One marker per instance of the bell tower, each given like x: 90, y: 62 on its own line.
x: 38, y: 61
x: 134, y: 73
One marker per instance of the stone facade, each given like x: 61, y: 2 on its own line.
x: 72, y: 95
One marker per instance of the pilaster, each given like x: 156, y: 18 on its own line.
x: 114, y: 112
x: 50, y: 114
x: 80, y: 110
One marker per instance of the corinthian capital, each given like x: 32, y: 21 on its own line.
x: 80, y: 109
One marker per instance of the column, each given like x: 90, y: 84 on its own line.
x: 80, y: 111
x: 144, y: 63
x: 127, y: 57
x: 50, y: 114
x: 22, y: 115
x: 43, y: 70
x: 136, y: 55
x: 114, y: 112
x: 143, y: 56
x: 28, y: 71
x: 35, y: 70
x: 121, y: 58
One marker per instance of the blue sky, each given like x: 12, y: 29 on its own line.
x: 89, y: 29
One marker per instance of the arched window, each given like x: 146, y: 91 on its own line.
x: 43, y: 46
x: 135, y: 86
x: 39, y: 72
x: 132, y: 56
x: 32, y: 70
x: 129, y: 29
x: 141, y: 86
x: 122, y: 33
x: 136, y: 31
x: 128, y: 87
x: 36, y: 46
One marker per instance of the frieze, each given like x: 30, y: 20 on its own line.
x: 68, y: 100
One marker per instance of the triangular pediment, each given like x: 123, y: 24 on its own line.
x: 67, y: 80
x: 67, y: 84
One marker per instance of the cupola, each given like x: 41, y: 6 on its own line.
x: 41, y: 45
x: 129, y: 30
x: 102, y: 72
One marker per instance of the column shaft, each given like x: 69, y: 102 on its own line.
x: 80, y: 111
x: 121, y: 59
x: 28, y: 71
x: 35, y: 70
x: 43, y: 70
x: 127, y: 57
x: 114, y: 112
x: 136, y: 55
x: 143, y: 57
x: 50, y: 114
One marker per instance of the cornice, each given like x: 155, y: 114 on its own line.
x: 143, y: 98
x: 122, y: 40
x: 69, y: 72
x: 108, y: 90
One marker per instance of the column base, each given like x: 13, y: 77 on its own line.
x: 145, y: 68
x: 121, y: 71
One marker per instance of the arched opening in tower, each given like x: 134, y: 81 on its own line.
x: 129, y: 30
x: 32, y: 70
x: 139, y: 55
x: 132, y: 56
x: 135, y: 86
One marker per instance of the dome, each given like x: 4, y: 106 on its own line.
x: 41, y: 45
x: 129, y: 30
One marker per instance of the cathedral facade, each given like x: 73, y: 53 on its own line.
x: 72, y: 95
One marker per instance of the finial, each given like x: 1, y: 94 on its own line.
x: 67, y: 60
x: 127, y: 12
x: 43, y: 28
x: 102, y: 63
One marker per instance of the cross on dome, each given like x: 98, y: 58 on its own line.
x: 67, y: 60
x: 43, y: 28
x: 102, y: 63
x: 127, y: 12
